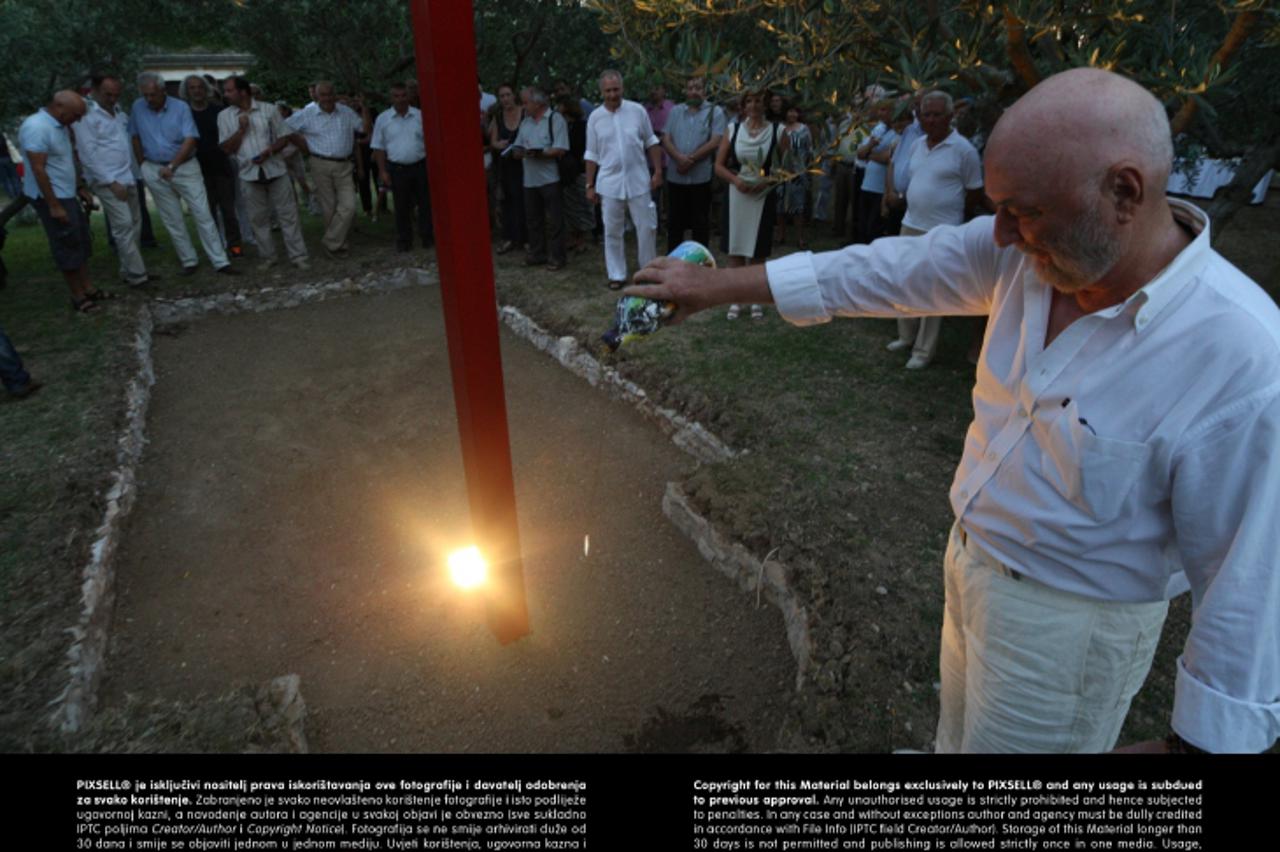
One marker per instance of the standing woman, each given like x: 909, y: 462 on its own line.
x: 747, y: 154
x: 795, y: 192
x: 502, y: 132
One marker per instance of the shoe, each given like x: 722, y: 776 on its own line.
x: 506, y: 247
x: 899, y: 345
x: 617, y: 285
x: 917, y: 362
x: 235, y: 251
x: 734, y: 310
x: 555, y: 266
x: 757, y: 312
x: 302, y: 263
x: 26, y: 390
x: 266, y: 265
x: 188, y: 271
x: 99, y: 296
x: 227, y: 270
x: 84, y: 306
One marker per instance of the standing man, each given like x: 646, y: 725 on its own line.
x: 329, y: 132
x: 624, y: 167
x: 164, y: 141
x: 401, y: 154
x: 56, y: 192
x: 253, y: 132
x: 215, y: 166
x: 540, y: 143
x: 106, y: 155
x: 692, y: 136
x: 945, y: 185
x: 1122, y: 450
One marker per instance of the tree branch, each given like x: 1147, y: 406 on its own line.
x: 1019, y: 53
x: 1240, y: 29
x: 1239, y: 192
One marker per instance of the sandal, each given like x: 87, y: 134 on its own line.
x: 84, y: 306
x: 757, y: 312
x: 99, y: 296
x: 617, y: 285
x: 734, y: 310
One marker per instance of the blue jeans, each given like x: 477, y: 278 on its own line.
x: 15, y: 378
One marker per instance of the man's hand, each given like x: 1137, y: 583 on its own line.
x: 57, y: 211
x: 673, y: 280
x: 243, y: 118
x: 119, y: 190
x: 86, y: 198
x: 384, y: 177
x: 166, y: 173
x: 655, y: 180
x: 684, y: 164
x: 593, y: 197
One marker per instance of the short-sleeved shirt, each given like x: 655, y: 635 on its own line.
x: 617, y: 141
x: 902, y: 157
x: 689, y: 130
x: 41, y: 133
x: 400, y: 136
x: 940, y: 177
x: 873, y: 178
x: 162, y: 131
x: 549, y: 131
x: 328, y: 134
x: 266, y: 127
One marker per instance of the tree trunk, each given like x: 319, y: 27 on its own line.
x: 1228, y: 200
x: 1019, y: 53
x: 1240, y: 29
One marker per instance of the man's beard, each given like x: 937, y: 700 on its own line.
x: 1081, y: 256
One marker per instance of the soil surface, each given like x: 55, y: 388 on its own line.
x: 300, y: 490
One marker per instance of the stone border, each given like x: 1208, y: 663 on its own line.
x: 78, y: 699
x: 730, y: 558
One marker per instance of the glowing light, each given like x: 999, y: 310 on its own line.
x: 467, y: 567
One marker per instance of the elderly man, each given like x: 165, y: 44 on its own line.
x: 1123, y: 448
x: 215, y: 166
x: 540, y: 142
x: 254, y: 134
x: 56, y: 192
x: 329, y: 132
x: 401, y: 154
x: 622, y: 153
x: 164, y: 141
x: 106, y: 155
x: 692, y: 135
x: 945, y: 186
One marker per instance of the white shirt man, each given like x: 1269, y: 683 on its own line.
x: 946, y: 176
x: 254, y: 134
x: 329, y: 131
x: 106, y: 155
x: 401, y: 152
x: 623, y: 165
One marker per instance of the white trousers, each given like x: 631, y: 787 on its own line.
x: 125, y: 218
x: 644, y: 213
x: 186, y: 185
x: 1026, y: 668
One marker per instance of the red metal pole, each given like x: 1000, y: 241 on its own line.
x: 444, y: 40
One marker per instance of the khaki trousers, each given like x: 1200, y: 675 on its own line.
x: 125, y: 218
x: 260, y: 199
x: 336, y: 192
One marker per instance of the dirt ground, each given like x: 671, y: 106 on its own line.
x: 293, y: 515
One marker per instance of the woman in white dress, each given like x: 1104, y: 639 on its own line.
x: 747, y: 154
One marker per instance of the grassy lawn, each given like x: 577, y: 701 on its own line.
x: 845, y: 466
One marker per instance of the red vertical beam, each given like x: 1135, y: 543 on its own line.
x: 444, y: 40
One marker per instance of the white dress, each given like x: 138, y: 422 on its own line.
x: 745, y: 209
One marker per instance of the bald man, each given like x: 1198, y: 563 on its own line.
x: 56, y: 190
x: 1124, y: 444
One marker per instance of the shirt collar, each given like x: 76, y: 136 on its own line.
x: 1150, y: 300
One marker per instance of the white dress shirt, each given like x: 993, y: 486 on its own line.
x: 400, y: 136
x: 104, y: 146
x: 265, y: 128
x: 1137, y: 456
x: 328, y: 134
x: 616, y: 142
